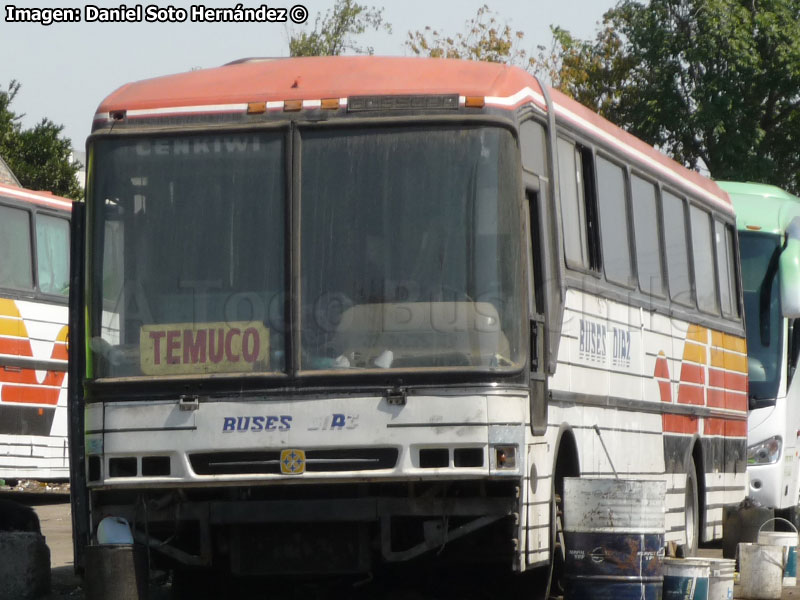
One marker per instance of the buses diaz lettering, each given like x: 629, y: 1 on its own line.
x: 257, y: 423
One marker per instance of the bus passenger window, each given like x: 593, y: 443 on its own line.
x: 723, y: 239
x: 532, y: 147
x: 16, y: 261
x: 614, y: 222
x: 680, y: 285
x: 646, y: 235
x: 573, y: 205
x: 705, y: 281
x: 52, y: 254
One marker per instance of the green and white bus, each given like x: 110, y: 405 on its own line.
x: 768, y: 222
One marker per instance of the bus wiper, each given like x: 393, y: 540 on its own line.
x: 765, y: 296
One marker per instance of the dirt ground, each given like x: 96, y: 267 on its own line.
x: 53, y: 509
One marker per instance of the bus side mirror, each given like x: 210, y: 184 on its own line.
x: 790, y: 271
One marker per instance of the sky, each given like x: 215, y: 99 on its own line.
x: 66, y: 69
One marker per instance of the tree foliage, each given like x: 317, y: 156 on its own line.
x: 336, y: 30
x: 485, y: 38
x: 39, y: 156
x: 715, y: 83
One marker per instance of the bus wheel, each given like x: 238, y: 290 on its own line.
x: 691, y: 511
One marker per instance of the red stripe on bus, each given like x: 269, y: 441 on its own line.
x: 714, y: 426
x: 735, y: 428
x: 680, y: 424
x: 733, y: 381
x: 693, y: 373
x: 16, y: 346
x: 716, y: 398
x: 736, y: 401
x: 15, y: 394
x: 691, y: 394
x: 28, y: 377
x: 666, y: 391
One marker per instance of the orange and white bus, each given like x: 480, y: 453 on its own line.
x: 34, y: 277
x: 345, y: 311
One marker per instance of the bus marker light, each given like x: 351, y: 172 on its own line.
x: 474, y: 101
x: 292, y: 105
x: 754, y: 227
x: 256, y: 108
x: 330, y: 103
x: 506, y: 457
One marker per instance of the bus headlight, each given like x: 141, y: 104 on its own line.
x: 766, y: 452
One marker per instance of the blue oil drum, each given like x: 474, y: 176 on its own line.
x: 614, y: 538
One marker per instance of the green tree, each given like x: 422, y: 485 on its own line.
x: 712, y: 82
x: 336, y: 30
x: 485, y: 38
x: 39, y: 156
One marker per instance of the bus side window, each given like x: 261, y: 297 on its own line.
x: 613, y: 208
x: 52, y: 254
x: 703, y: 251
x: 578, y: 206
x: 533, y: 148
x: 794, y: 348
x: 646, y: 232
x: 723, y: 239
x: 16, y: 258
x: 676, y: 249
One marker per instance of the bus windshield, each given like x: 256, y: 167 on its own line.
x: 410, y: 252
x: 188, y: 262
x: 759, y: 259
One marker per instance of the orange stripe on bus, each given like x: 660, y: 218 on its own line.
x: 8, y: 308
x: 697, y: 333
x: 13, y: 327
x: 695, y: 353
x: 737, y: 344
x: 728, y: 360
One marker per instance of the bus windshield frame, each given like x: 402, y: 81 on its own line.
x: 489, y: 315
x: 759, y: 254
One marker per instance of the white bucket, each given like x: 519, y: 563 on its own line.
x: 788, y: 540
x: 720, y: 580
x: 686, y: 578
x: 760, y: 571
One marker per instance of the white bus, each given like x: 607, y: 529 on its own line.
x: 768, y: 221
x: 344, y: 312
x: 34, y: 277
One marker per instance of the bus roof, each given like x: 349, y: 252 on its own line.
x: 762, y: 207
x: 41, y: 198
x: 232, y: 87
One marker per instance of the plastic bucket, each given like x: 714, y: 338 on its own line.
x: 760, y: 571
x: 720, y: 579
x: 787, y: 539
x: 614, y: 538
x: 686, y: 578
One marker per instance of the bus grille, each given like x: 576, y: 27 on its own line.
x: 317, y: 461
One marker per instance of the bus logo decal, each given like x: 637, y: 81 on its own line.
x: 293, y: 462
x: 592, y: 341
